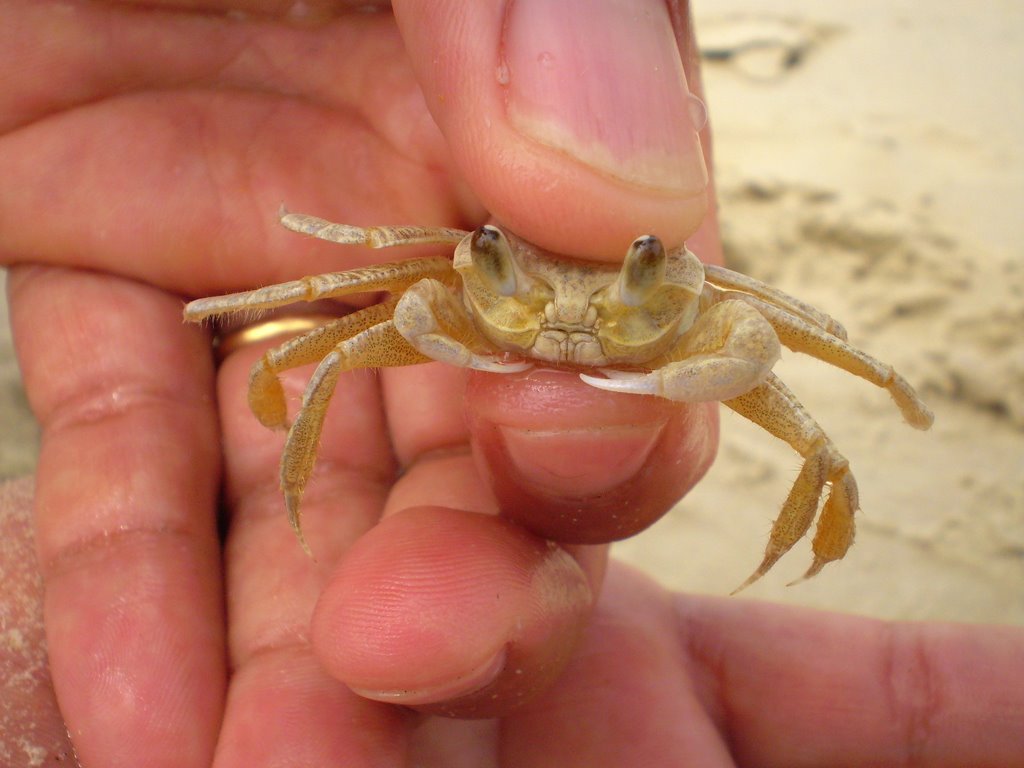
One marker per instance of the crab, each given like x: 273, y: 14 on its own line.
x: 661, y: 324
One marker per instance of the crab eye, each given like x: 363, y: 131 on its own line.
x: 492, y: 257
x: 643, y: 270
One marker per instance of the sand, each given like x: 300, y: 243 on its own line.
x: 31, y: 729
x: 869, y: 161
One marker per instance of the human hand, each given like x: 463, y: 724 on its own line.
x: 667, y: 679
x: 145, y: 151
x: 659, y: 679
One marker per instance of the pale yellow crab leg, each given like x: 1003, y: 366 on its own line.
x: 436, y: 323
x: 776, y: 409
x: 380, y: 346
x: 802, y: 336
x: 266, y: 396
x: 372, y: 237
x: 736, y: 281
x: 393, y: 277
x: 729, y: 350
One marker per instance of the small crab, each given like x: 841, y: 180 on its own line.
x: 662, y: 324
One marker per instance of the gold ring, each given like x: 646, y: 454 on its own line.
x: 230, y: 340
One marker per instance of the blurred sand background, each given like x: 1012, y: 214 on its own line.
x: 869, y: 161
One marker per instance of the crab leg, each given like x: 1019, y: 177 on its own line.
x: 729, y: 350
x: 436, y: 323
x: 801, y: 336
x: 393, y: 277
x: 373, y: 237
x: 266, y: 396
x: 736, y: 281
x: 379, y: 346
x: 773, y: 407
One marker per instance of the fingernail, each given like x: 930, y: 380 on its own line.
x: 465, y: 685
x: 603, y: 81
x: 579, y: 463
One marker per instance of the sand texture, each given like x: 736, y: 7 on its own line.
x: 869, y: 161
x: 31, y: 729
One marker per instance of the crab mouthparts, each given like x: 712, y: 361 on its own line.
x: 568, y: 344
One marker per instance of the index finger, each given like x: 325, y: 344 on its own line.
x: 125, y: 514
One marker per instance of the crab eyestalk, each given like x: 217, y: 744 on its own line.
x: 643, y: 271
x: 492, y: 257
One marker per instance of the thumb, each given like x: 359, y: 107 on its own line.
x: 572, y: 120
x: 573, y: 123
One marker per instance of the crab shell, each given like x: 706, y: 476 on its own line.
x: 575, y: 313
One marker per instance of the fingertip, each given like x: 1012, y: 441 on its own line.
x: 450, y: 612
x: 558, y: 114
x: 581, y: 465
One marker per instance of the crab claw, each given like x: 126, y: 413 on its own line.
x: 625, y: 381
x: 496, y: 365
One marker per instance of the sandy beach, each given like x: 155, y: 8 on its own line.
x: 869, y: 161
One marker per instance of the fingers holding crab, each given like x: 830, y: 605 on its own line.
x: 557, y: 461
